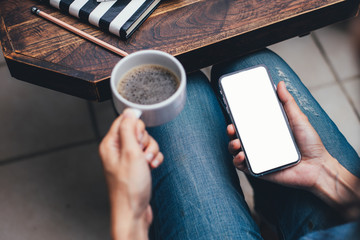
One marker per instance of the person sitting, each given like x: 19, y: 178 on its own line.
x: 193, y: 188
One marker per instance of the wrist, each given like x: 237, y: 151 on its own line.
x: 127, y: 222
x: 126, y: 227
x: 339, y: 188
x: 326, y: 184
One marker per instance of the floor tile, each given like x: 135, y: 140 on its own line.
x: 336, y: 43
x: 340, y: 111
x: 36, y: 119
x: 105, y: 114
x: 56, y: 196
x: 303, y: 56
x: 353, y: 89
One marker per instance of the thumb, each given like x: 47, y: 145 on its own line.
x: 128, y: 130
x: 291, y: 108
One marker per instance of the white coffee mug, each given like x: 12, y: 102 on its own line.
x: 153, y: 114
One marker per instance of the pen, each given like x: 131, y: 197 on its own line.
x: 78, y: 32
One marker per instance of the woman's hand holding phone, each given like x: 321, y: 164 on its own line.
x: 313, y: 152
x: 317, y: 171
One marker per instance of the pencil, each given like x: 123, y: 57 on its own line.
x: 78, y: 32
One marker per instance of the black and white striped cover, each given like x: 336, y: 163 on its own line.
x: 121, y: 17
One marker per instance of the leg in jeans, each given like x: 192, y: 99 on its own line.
x: 196, y: 192
x: 295, y: 212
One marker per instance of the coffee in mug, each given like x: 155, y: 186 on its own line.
x: 155, y: 102
x: 148, y: 84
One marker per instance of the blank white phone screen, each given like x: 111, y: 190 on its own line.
x: 259, y: 120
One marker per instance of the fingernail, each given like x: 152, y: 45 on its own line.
x: 127, y: 113
x: 149, y: 157
x: 132, y: 112
x: 155, y: 163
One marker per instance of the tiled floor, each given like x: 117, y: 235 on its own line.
x: 51, y: 179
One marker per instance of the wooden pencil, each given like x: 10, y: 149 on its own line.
x: 78, y: 32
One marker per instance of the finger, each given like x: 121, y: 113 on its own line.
x: 145, y: 140
x: 239, y: 161
x: 151, y: 150
x: 114, y: 128
x: 127, y: 130
x: 234, y: 146
x: 290, y: 106
x: 157, y: 161
x: 231, y: 131
x: 110, y: 138
x: 140, y: 130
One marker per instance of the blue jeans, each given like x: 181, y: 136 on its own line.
x: 196, y: 191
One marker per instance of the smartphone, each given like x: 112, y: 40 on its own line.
x: 260, y: 121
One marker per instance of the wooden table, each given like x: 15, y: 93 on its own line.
x: 198, y: 32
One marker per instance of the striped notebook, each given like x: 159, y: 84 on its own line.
x: 121, y: 17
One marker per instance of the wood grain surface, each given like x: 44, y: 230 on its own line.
x: 198, y: 32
